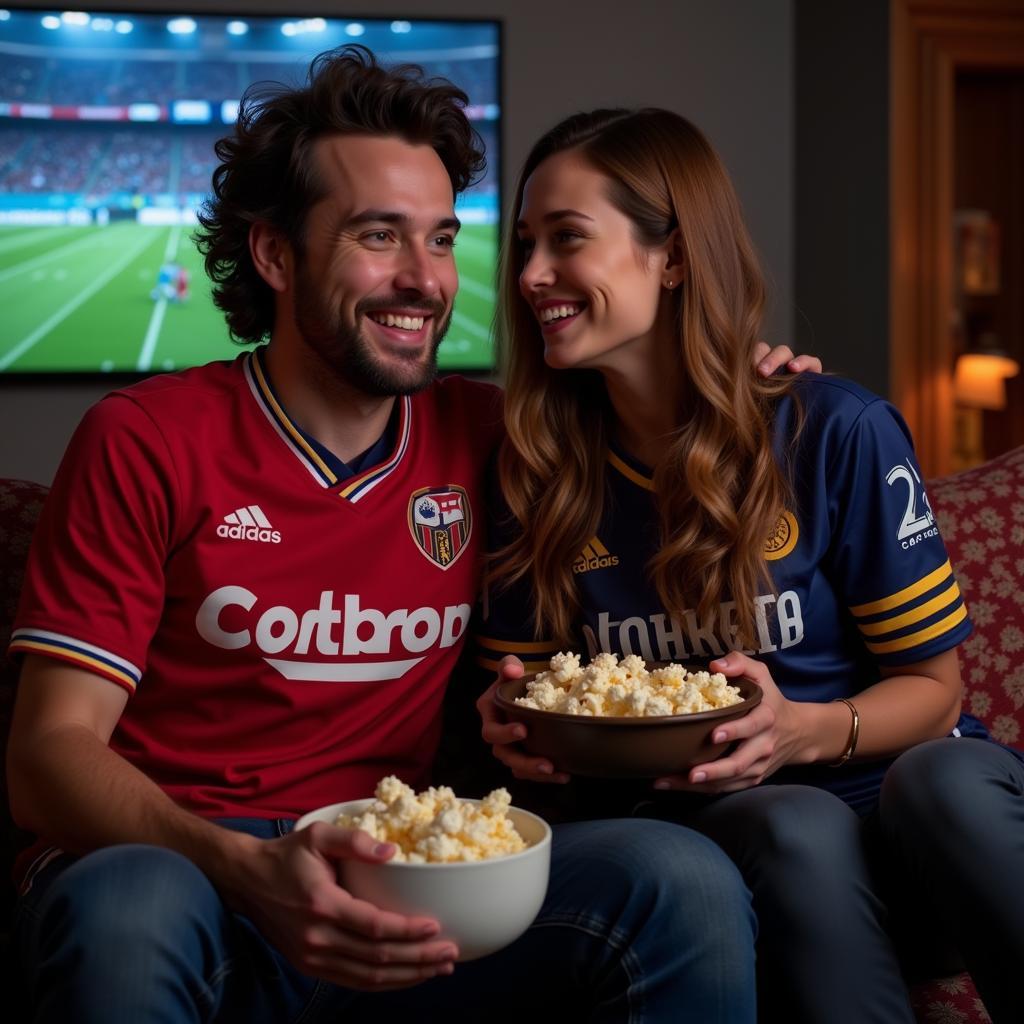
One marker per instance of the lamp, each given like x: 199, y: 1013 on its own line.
x: 978, y: 383
x: 980, y: 378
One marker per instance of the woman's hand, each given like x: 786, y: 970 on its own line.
x: 502, y: 735
x: 768, y: 737
x: 289, y: 888
x: 769, y: 360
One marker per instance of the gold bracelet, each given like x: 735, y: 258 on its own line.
x: 851, y: 745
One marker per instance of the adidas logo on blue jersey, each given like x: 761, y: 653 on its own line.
x: 594, y: 556
x: 249, y: 523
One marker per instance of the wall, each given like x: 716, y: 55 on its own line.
x: 726, y: 64
x: 841, y: 193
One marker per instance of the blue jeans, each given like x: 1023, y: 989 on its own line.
x: 824, y: 953
x: 847, y: 907
x: 643, y: 921
x: 951, y: 817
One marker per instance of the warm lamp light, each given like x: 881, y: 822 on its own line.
x: 980, y: 379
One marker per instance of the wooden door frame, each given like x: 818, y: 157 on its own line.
x: 930, y: 40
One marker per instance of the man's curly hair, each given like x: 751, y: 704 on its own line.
x: 267, y: 171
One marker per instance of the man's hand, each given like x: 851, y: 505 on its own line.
x: 769, y: 360
x: 502, y: 735
x: 289, y: 888
x: 70, y: 786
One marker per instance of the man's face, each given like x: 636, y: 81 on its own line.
x: 375, y: 283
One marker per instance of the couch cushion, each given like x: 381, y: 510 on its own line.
x: 20, y: 504
x: 21, y: 501
x: 981, y: 516
x: 948, y: 1001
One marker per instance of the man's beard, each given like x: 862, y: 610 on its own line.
x: 349, y: 354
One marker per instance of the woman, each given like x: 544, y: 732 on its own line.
x: 644, y: 469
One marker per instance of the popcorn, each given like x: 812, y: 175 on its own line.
x: 435, y: 826
x: 565, y: 667
x: 611, y: 688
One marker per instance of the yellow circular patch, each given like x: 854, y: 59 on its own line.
x: 783, y: 538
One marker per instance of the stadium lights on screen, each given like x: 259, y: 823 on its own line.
x: 107, y: 127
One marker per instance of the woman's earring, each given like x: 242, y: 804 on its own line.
x: 669, y: 284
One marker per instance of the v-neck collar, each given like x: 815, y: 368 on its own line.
x: 327, y: 470
x: 632, y: 469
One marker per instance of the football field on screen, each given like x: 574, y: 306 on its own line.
x: 81, y: 299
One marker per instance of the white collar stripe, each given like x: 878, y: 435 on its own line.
x: 314, y: 465
x: 361, y: 485
x: 45, y: 636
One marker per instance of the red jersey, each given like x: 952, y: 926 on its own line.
x: 285, y: 636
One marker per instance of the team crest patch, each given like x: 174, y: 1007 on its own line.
x: 783, y: 537
x: 441, y: 522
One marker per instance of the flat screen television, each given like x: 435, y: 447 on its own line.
x: 107, y: 127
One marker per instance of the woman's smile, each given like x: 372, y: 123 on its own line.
x: 556, y: 314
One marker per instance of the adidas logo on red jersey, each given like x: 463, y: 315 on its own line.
x: 249, y: 523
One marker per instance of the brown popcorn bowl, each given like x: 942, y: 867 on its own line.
x: 622, y: 748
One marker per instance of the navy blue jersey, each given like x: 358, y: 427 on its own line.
x: 861, y: 575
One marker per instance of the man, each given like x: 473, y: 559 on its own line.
x: 245, y: 596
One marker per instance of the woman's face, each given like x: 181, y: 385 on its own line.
x: 594, y: 290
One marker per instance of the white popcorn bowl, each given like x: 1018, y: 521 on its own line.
x: 481, y: 905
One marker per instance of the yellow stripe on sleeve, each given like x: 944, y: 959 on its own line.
x: 948, y: 596
x: 94, y: 665
x: 515, y: 647
x: 922, y: 636
x: 906, y: 594
x: 529, y: 666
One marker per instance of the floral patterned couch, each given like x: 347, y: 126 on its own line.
x: 981, y: 515
x: 20, y: 504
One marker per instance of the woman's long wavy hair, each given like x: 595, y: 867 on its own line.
x: 719, y: 489
x: 267, y: 171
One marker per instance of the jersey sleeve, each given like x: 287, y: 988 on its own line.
x: 887, y: 559
x: 503, y: 623
x: 94, y: 585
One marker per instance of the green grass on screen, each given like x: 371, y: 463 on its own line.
x: 78, y: 299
